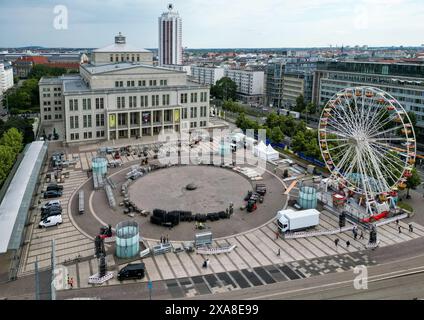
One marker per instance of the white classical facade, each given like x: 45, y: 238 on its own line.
x: 170, y: 38
x: 121, y: 100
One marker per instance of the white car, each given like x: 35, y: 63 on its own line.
x: 51, y: 203
x: 51, y: 221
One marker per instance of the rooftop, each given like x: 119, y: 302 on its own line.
x: 121, y: 47
x: 17, y: 200
x: 97, y: 69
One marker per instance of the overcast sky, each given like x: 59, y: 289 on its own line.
x: 216, y: 23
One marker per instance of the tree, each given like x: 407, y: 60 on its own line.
x: 276, y: 135
x: 12, y: 138
x: 7, y: 157
x: 224, y: 89
x: 23, y: 125
x: 300, y: 104
x: 413, y: 181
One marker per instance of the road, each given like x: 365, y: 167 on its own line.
x: 400, y: 280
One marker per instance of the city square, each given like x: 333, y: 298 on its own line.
x: 150, y: 169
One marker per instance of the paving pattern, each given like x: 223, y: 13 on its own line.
x: 255, y: 261
x: 70, y: 243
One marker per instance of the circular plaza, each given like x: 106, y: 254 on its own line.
x: 200, y: 189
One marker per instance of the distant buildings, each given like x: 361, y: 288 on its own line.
x: 207, y: 75
x: 23, y: 65
x: 404, y: 81
x: 120, y: 100
x: 170, y: 38
x: 288, y: 79
x: 250, y: 85
x: 6, y: 77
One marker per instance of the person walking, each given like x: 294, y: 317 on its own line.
x: 400, y: 229
x: 347, y: 244
x: 167, y: 238
x: 361, y: 236
x: 336, y: 242
x: 278, y: 252
x: 411, y: 228
x: 397, y: 221
x: 277, y: 235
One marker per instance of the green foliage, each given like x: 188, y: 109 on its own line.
x: 10, y: 146
x: 224, y: 89
x: 12, y: 138
x: 26, y: 98
x: 405, y: 206
x: 414, y: 180
x: 245, y: 123
x: 300, y: 104
x: 22, y: 125
x: 40, y: 70
x: 276, y: 135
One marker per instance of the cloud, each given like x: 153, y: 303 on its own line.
x: 218, y: 23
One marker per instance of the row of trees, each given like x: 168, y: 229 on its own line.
x: 11, y: 143
x: 279, y: 126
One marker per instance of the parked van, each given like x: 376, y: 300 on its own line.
x: 132, y: 271
x: 51, y: 221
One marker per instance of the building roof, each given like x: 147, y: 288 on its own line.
x: 34, y: 59
x: 121, y: 47
x: 58, y: 80
x: 17, y: 200
x: 103, y: 68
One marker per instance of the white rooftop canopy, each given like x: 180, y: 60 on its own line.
x: 18, y: 197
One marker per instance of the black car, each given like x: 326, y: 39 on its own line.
x: 54, y: 187
x: 51, y: 213
x: 51, y: 208
x: 132, y: 271
x: 52, y: 194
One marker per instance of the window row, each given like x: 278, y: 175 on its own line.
x: 141, y: 83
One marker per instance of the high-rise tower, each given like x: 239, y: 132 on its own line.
x: 170, y: 35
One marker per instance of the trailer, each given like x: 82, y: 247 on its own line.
x: 81, y: 202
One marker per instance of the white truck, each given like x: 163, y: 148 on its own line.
x: 290, y: 220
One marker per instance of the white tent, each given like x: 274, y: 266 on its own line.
x: 260, y: 150
x: 271, y: 154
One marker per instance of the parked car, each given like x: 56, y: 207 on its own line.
x: 52, y: 194
x: 51, y: 221
x: 132, y: 271
x: 52, y: 208
x: 51, y: 213
x: 51, y: 203
x: 54, y: 187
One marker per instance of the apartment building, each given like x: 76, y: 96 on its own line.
x: 6, y: 77
x: 404, y: 81
x: 250, y: 84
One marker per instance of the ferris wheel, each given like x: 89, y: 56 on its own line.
x: 367, y: 142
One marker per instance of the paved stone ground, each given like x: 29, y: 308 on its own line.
x: 253, y: 262
x: 166, y: 189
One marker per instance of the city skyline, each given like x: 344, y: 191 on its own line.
x: 217, y: 24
